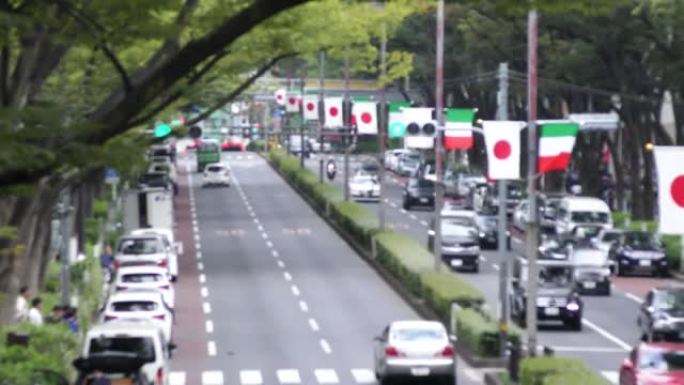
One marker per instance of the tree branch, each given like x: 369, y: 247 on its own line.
x: 237, y: 91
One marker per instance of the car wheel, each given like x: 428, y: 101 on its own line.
x: 576, y: 324
x: 448, y: 380
x: 384, y: 381
x: 618, y: 270
x: 406, y: 205
x: 607, y: 291
x: 476, y: 268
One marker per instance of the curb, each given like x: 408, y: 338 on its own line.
x: 417, y: 304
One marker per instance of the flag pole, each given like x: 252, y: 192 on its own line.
x: 321, y: 113
x: 382, y: 126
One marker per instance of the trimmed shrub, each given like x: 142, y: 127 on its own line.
x: 620, y: 218
x: 256, y: 145
x: 479, y: 331
x: 673, y: 250
x: 100, y: 208
x: 357, y: 220
x: 441, y: 289
x: 557, y: 370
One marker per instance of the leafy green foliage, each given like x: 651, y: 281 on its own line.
x: 557, y: 370
x: 480, y: 332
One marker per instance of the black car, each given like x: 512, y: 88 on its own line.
x: 661, y: 316
x: 418, y: 192
x: 487, y: 230
x: 638, y: 252
x: 557, y: 299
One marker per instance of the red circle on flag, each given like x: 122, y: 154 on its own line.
x: 309, y: 106
x: 677, y: 190
x: 366, y: 117
x: 279, y: 96
x: 502, y: 149
x: 333, y: 111
x: 291, y: 100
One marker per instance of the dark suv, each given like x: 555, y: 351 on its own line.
x: 418, y: 192
x: 639, y: 252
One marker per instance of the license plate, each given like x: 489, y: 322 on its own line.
x: 645, y: 262
x: 420, y: 371
x: 423, y: 200
x: 551, y: 311
x: 456, y: 262
x: 589, y: 285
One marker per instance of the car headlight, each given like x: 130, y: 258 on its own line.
x: 573, y: 306
x: 482, y: 234
x: 473, y: 248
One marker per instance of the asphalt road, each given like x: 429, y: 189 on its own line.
x: 609, y: 329
x: 281, y: 298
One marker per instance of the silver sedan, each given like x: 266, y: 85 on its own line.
x: 415, y: 349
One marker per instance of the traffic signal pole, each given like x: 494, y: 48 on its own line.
x: 321, y: 113
x: 532, y: 225
x: 439, y: 156
x: 382, y: 128
x: 347, y: 124
x: 303, y: 143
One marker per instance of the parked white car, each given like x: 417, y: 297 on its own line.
x: 364, y: 187
x: 148, y: 248
x: 140, y: 304
x: 216, y: 174
x: 145, y: 277
x: 173, y: 248
x: 142, y: 338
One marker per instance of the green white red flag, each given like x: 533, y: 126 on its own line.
x: 555, y: 146
x: 458, y: 132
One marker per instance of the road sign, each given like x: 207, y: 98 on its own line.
x: 331, y: 169
x: 596, y: 122
x: 111, y: 176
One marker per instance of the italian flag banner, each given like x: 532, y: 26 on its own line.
x: 555, y: 146
x: 458, y: 132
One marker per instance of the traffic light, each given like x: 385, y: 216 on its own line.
x: 162, y: 130
x: 421, y: 127
x: 195, y: 132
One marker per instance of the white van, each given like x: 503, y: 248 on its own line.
x: 140, y: 337
x: 573, y: 211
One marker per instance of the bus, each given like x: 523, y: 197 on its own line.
x: 208, y: 152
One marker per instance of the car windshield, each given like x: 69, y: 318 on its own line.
x: 611, y: 237
x: 421, y: 183
x: 459, y: 221
x: 142, y: 278
x: 641, y: 240
x: 140, y: 246
x: 409, y: 162
x: 555, y: 276
x: 209, y: 147
x: 669, y: 300
x: 658, y: 360
x: 487, y: 222
x: 514, y: 193
x: 154, y: 180
x: 215, y: 169
x: 125, y: 306
x: 363, y: 178
x: 589, y: 217
x: 141, y: 346
x: 370, y: 167
x: 161, y: 168
x: 416, y: 334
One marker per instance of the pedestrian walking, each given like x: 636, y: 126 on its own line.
x: 57, y: 315
x: 35, y: 317
x: 22, y: 304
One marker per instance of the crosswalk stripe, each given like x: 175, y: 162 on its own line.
x: 177, y: 378
x: 212, y: 378
x: 251, y: 377
x: 326, y: 376
x: 288, y: 376
x: 611, y: 375
x: 363, y: 376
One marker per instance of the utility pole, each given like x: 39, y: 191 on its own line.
x: 321, y: 113
x: 65, y: 210
x: 346, y: 124
x: 532, y: 227
x: 382, y: 126
x: 302, y: 142
x: 502, y: 114
x: 439, y: 156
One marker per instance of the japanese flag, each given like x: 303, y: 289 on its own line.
x: 333, y: 113
x: 280, y: 96
x: 310, y: 107
x: 293, y: 102
x: 366, y: 117
x: 669, y: 165
x: 502, y: 140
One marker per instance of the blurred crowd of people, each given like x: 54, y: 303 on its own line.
x: 30, y: 310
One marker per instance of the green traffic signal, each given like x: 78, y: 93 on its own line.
x: 161, y: 130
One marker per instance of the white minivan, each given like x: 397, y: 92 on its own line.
x: 139, y: 337
x: 577, y: 210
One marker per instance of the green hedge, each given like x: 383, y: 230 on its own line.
x: 442, y: 288
x: 479, y: 331
x: 51, y: 348
x: 558, y: 371
x: 100, y: 208
x: 256, y: 145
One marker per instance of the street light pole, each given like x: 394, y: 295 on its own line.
x: 532, y: 227
x: 382, y: 125
x: 302, y: 142
x: 347, y: 124
x: 321, y: 113
x: 502, y: 114
x: 65, y: 211
x: 439, y: 110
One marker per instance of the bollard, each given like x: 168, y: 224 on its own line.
x: 514, y: 352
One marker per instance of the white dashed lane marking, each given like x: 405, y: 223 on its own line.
x: 209, y: 326
x: 313, y: 324
x: 303, y: 306
x: 288, y: 376
x: 211, y: 348
x: 325, y: 346
x: 206, y: 307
